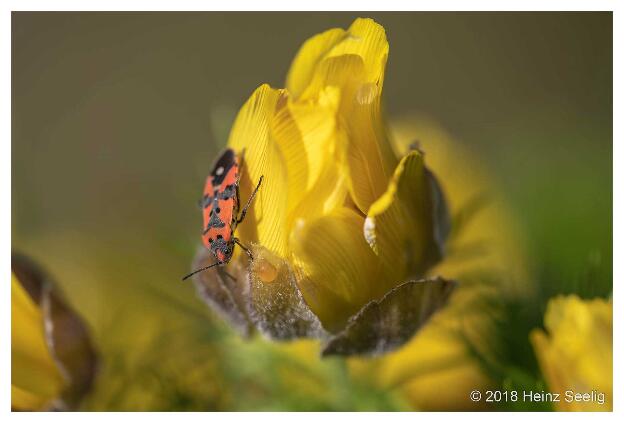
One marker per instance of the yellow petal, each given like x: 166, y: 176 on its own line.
x: 454, y: 380
x: 319, y: 61
x: 252, y: 132
x: 328, y: 193
x: 370, y: 160
x: 344, y: 72
x: 577, y: 352
x: 23, y: 400
x: 340, y: 271
x: 355, y: 63
x: 366, y: 39
x: 364, y: 152
x: 400, y: 225
x: 306, y: 134
x: 35, y: 378
x: 304, y: 64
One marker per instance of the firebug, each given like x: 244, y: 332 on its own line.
x: 220, y: 206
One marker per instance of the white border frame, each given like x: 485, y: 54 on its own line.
x: 318, y: 5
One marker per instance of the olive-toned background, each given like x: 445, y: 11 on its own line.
x: 117, y: 117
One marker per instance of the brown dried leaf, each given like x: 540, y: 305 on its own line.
x: 386, y: 324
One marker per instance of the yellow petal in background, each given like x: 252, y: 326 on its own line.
x: 485, y: 245
x: 400, y: 225
x: 35, y: 377
x: 252, y: 132
x: 341, y: 273
x: 435, y: 370
x: 576, y: 351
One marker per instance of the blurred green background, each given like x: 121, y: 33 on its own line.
x: 117, y: 118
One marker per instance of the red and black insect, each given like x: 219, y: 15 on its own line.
x: 220, y: 206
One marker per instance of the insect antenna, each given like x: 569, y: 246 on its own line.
x: 200, y: 270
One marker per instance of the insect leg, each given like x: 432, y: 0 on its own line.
x: 241, y: 162
x: 201, y: 270
x: 253, y: 194
x: 245, y: 249
x: 237, y: 195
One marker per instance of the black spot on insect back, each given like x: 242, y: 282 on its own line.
x: 215, y: 222
x: 228, y: 192
x: 223, y: 166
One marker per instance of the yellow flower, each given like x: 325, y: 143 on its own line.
x: 575, y: 352
x: 52, y: 361
x: 342, y: 230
